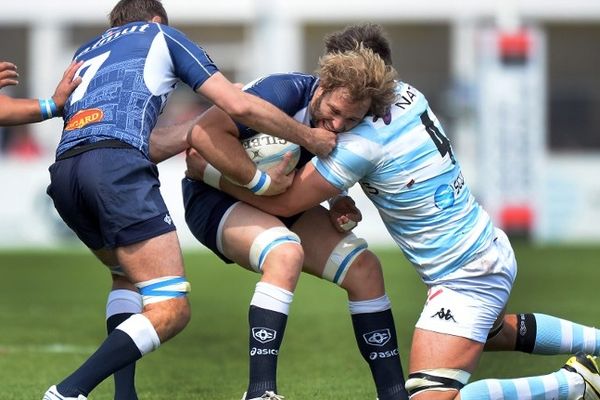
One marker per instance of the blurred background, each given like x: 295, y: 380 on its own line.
x: 515, y: 83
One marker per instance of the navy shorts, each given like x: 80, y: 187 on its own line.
x: 205, y: 207
x: 109, y: 197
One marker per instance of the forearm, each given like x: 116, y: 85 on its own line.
x: 19, y: 111
x: 308, y: 189
x: 223, y: 151
x: 165, y: 142
x: 215, y: 137
x: 271, y: 204
x: 265, y: 117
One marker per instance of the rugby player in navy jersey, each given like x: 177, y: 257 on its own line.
x: 348, y: 86
x: 406, y: 167
x: 106, y: 188
x: 24, y: 111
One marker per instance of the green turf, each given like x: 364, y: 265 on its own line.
x: 52, y: 318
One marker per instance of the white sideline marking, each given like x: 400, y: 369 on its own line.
x: 48, y: 348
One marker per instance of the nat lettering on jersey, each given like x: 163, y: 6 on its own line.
x: 406, y: 99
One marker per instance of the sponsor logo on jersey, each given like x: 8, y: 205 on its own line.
x: 264, y: 335
x: 445, y: 195
x: 112, y: 34
x: 383, y: 354
x: 84, y: 118
x: 378, y: 337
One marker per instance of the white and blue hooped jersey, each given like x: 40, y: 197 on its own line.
x: 406, y: 167
x: 127, y: 75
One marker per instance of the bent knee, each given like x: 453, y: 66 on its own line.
x: 283, y: 266
x: 184, y: 315
x: 169, y: 317
x: 286, y: 254
x: 364, y: 279
x: 277, y: 244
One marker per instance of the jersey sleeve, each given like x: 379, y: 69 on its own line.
x: 288, y: 92
x: 353, y: 159
x: 191, y: 63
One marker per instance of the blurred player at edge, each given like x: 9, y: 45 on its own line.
x: 25, y: 111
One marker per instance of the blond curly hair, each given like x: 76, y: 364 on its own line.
x: 363, y: 74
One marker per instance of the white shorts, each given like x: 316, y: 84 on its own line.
x: 468, y: 301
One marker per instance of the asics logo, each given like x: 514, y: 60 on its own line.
x: 263, y: 352
x: 377, y: 338
x: 444, y: 314
x: 374, y: 355
x: 264, y: 335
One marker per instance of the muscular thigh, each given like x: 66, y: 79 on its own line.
x: 439, y: 350
x: 318, y: 237
x: 438, y: 357
x: 157, y: 257
x: 240, y: 228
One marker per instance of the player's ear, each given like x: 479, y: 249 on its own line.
x: 156, y: 19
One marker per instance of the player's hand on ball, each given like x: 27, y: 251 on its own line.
x: 344, y: 215
x: 280, y: 181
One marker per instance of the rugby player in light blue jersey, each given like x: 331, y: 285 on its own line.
x: 105, y: 186
x: 348, y: 86
x: 406, y: 167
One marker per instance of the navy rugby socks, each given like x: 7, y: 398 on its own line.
x: 117, y: 351
x: 266, y: 333
x: 125, y: 377
x: 376, y: 338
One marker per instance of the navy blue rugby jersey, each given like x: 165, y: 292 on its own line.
x: 127, y: 75
x: 291, y: 93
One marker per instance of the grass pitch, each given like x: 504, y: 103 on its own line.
x: 52, y: 319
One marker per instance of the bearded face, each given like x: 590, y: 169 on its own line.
x: 336, y: 111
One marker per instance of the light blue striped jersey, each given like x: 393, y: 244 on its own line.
x: 127, y: 75
x: 405, y: 165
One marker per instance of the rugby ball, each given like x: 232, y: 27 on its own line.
x: 267, y: 151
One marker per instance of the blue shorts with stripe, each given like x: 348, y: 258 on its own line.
x: 205, y: 207
x: 109, y: 197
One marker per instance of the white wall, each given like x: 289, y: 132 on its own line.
x: 28, y: 218
x: 570, y: 196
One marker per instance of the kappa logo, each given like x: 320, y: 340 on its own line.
x: 444, y: 314
x: 264, y: 335
x: 377, y: 338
